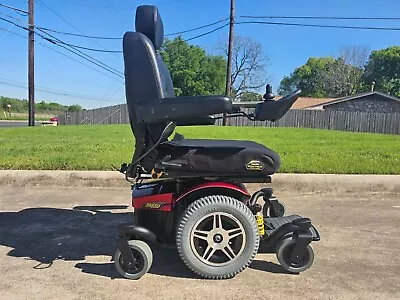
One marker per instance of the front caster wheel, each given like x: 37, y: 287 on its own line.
x: 143, y: 259
x: 283, y: 254
x: 274, y: 210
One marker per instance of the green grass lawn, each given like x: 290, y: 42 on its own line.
x: 97, y: 147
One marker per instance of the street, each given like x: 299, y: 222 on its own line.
x: 57, y: 241
x: 5, y: 123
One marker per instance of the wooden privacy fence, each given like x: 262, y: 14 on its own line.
x: 116, y: 114
x: 388, y: 123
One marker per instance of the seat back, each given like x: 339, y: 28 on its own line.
x: 147, y: 78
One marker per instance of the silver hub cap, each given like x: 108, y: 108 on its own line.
x: 217, y: 239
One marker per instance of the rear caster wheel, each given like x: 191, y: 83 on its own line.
x: 274, y: 210
x: 143, y: 259
x: 217, y: 237
x: 283, y: 253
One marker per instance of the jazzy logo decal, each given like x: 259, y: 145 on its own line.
x: 153, y: 205
x: 254, y: 165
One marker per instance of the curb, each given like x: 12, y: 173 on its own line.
x: 62, y: 178
x: 283, y: 182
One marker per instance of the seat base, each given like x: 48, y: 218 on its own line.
x: 216, y: 158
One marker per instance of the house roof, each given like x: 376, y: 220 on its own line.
x: 305, y: 102
x: 301, y: 102
x: 353, y: 97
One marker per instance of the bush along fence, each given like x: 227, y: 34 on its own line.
x: 387, y: 123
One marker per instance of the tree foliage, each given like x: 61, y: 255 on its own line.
x: 74, y: 108
x: 193, y: 72
x: 383, y: 68
x: 354, y: 71
x: 21, y: 106
x: 251, y: 96
x: 324, y: 77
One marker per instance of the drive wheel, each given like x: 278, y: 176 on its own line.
x: 143, y: 259
x: 217, y: 237
x: 284, y: 251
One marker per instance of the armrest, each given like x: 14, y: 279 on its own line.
x: 183, y: 108
x: 274, y: 110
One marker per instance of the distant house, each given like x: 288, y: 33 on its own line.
x: 366, y: 102
x: 301, y: 102
x: 306, y: 102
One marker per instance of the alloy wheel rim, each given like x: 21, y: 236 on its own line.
x: 217, y: 239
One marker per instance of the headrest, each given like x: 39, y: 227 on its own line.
x: 148, y: 21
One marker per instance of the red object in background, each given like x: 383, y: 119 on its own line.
x: 54, y: 119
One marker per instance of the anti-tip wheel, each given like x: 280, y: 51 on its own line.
x: 283, y: 252
x: 217, y: 237
x: 143, y: 259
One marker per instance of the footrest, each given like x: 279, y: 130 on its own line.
x: 272, y: 224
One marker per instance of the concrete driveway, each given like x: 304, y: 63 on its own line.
x: 56, y: 242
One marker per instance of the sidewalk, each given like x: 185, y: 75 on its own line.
x: 297, y: 182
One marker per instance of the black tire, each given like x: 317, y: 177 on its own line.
x: 283, y: 255
x: 239, y: 232
x: 142, y: 252
x: 269, y: 212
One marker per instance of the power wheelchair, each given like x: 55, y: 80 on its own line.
x: 190, y: 194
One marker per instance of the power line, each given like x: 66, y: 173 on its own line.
x: 14, y: 33
x: 13, y: 23
x: 81, y: 54
x: 322, y: 18
x: 207, y: 33
x: 197, y: 28
x: 225, y: 19
x: 91, y: 49
x: 320, y: 26
x: 11, y: 17
x: 66, y: 21
x: 85, y: 48
x: 14, y: 9
x: 120, y: 38
x: 120, y: 51
x: 61, y: 53
x: 220, y: 27
x: 79, y: 35
x: 88, y: 57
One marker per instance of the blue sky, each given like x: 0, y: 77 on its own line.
x: 286, y: 46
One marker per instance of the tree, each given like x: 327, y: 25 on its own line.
x: 328, y: 76
x: 248, y: 66
x: 354, y: 60
x: 308, y: 78
x: 251, y: 96
x: 193, y: 72
x: 383, y: 68
x: 74, y: 108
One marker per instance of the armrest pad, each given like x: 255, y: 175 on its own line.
x: 274, y: 110
x: 183, y: 108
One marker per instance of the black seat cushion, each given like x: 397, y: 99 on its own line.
x: 218, y: 157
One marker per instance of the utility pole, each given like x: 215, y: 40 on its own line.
x: 230, y: 46
x: 31, y: 64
